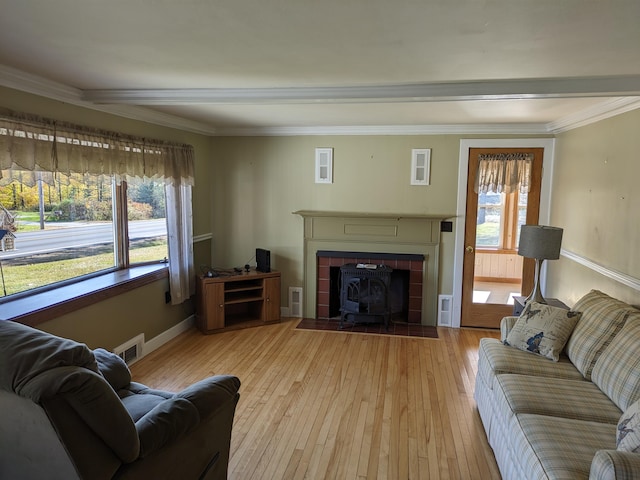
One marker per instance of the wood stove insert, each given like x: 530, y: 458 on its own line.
x: 365, y: 293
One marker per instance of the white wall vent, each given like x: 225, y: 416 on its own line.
x: 132, y: 350
x: 295, y: 302
x: 444, y: 310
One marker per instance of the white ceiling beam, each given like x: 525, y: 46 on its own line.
x: 515, y: 89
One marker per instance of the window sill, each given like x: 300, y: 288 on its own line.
x: 35, y: 309
x: 500, y: 251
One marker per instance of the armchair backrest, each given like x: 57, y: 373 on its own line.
x: 62, y: 376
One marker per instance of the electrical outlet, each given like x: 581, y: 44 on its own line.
x: 446, y: 226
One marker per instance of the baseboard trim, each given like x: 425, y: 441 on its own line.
x: 620, y: 277
x: 159, y: 340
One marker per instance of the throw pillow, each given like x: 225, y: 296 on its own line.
x: 628, y: 439
x: 543, y: 329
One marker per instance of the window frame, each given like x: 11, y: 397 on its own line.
x: 121, y: 246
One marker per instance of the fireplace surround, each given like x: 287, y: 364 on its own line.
x: 405, y: 289
x: 373, y: 233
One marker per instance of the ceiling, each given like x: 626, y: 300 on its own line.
x: 332, y: 66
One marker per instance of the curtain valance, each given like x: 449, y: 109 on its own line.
x: 504, y: 172
x: 46, y: 149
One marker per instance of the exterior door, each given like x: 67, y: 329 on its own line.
x: 493, y: 272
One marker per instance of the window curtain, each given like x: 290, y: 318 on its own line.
x: 504, y: 172
x: 180, y: 240
x: 33, y: 148
x: 57, y: 149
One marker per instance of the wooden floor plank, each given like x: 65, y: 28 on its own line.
x: 318, y: 405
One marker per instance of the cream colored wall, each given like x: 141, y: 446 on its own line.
x: 596, y: 200
x: 112, y: 322
x: 260, y: 181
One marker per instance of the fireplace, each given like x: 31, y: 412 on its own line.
x: 407, y: 243
x: 405, y: 282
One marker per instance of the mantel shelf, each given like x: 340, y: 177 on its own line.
x: 397, y: 216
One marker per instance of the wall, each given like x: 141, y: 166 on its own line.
x: 506, y: 267
x: 260, y: 181
x: 597, y: 201
x: 112, y: 322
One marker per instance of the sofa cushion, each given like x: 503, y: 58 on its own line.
x: 543, y: 329
x: 617, y: 371
x: 138, y: 401
x: 558, y: 448
x: 629, y: 429
x: 602, y: 318
x: 495, y: 358
x: 556, y: 397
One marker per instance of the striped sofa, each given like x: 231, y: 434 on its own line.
x: 571, y: 419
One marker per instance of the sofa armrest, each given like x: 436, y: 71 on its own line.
x: 506, y: 324
x: 180, y: 414
x: 615, y: 465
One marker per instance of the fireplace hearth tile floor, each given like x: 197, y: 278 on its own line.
x: 395, y: 328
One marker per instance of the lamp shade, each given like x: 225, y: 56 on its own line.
x: 540, y: 241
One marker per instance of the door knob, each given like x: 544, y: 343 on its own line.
x: 469, y: 249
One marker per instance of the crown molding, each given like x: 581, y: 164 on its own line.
x: 36, y: 85
x: 26, y: 82
x: 22, y: 81
x: 602, y: 111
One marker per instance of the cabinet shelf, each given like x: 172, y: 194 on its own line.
x: 243, y: 300
x: 237, y: 301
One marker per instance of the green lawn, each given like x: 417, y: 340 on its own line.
x: 22, y: 277
x: 487, y: 234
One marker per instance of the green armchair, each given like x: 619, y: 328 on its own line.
x: 68, y: 412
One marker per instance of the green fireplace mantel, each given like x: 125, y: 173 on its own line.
x: 373, y: 233
x: 328, y: 213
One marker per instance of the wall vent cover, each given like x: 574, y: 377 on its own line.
x: 444, y: 310
x: 295, y: 302
x: 131, y: 350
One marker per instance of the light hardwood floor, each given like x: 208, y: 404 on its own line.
x: 336, y: 405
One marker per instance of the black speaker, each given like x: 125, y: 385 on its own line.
x: 263, y: 260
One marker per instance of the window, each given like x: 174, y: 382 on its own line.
x: 500, y: 216
x: 77, y: 202
x: 147, y: 221
x: 502, y: 185
x: 66, y: 230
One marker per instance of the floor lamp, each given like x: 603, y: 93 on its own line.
x: 4, y: 289
x: 541, y: 243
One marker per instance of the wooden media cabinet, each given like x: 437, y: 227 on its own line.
x: 239, y: 300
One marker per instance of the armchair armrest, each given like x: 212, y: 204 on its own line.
x: 615, y: 465
x: 506, y: 324
x: 180, y: 414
